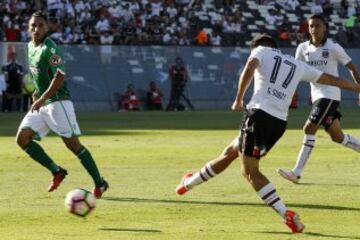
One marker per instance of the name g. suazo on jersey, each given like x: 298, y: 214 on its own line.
x: 276, y: 93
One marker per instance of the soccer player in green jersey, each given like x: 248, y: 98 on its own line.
x: 52, y: 108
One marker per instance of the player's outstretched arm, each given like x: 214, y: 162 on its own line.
x: 354, y: 72
x: 338, y: 82
x: 244, y: 82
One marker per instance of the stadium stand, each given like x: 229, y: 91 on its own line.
x: 178, y: 22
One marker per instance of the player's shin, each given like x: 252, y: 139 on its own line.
x: 36, y: 152
x: 203, y: 175
x: 269, y: 196
x: 89, y: 164
x: 351, y: 142
x: 304, y: 154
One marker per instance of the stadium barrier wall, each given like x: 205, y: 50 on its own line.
x: 98, y: 74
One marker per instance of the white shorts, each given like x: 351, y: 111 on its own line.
x: 58, y: 117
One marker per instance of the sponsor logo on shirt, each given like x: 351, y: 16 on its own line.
x: 325, y: 53
x: 318, y: 62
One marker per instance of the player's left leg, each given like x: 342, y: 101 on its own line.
x: 337, y: 135
x: 267, y: 192
x: 211, y: 169
x: 86, y: 159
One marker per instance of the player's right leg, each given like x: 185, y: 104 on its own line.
x: 210, y: 170
x: 31, y: 127
x: 259, y: 133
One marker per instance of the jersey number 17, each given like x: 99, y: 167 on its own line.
x: 275, y: 71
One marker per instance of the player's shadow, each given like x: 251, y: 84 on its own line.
x: 130, y: 230
x: 314, y: 234
x: 330, y: 184
x: 169, y: 201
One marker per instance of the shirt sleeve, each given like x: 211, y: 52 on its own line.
x: 341, y: 55
x: 299, y: 54
x: 55, y: 60
x: 258, y: 54
x: 311, y: 74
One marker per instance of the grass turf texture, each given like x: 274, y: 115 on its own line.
x: 144, y: 155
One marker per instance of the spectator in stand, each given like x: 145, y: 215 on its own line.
x: 351, y: 10
x: 154, y: 97
x: 129, y: 101
x: 167, y: 38
x: 350, y: 25
x: 202, y: 37
x: 126, y: 14
x: 327, y: 8
x: 291, y: 5
x: 215, y: 39
x: 102, y: 24
x: 316, y: 8
x: 271, y: 17
x: 344, y: 7
x: 54, y: 7
x: 12, y: 33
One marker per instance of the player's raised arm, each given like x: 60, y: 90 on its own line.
x: 338, y: 82
x: 244, y: 82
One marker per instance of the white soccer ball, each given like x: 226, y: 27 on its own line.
x: 80, y: 202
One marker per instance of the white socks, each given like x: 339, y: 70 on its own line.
x: 203, y: 175
x: 351, y: 142
x: 269, y: 196
x: 304, y: 154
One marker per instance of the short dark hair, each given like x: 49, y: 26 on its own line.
x: 40, y: 14
x: 263, y: 40
x: 319, y: 17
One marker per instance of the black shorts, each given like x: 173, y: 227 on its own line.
x: 324, y: 112
x: 259, y: 132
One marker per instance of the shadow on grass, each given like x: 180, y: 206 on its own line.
x: 314, y: 235
x: 130, y: 230
x: 309, y: 206
x: 330, y: 184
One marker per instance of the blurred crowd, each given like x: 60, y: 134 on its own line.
x: 165, y: 22
x: 169, y: 22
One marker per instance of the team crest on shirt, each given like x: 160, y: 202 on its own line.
x: 325, y: 53
x: 55, y: 60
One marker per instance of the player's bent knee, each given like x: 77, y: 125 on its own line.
x: 23, y: 139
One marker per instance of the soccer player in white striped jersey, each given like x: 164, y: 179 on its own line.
x: 325, y: 55
x: 276, y: 77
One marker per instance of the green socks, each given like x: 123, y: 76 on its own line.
x: 37, y: 153
x: 89, y: 164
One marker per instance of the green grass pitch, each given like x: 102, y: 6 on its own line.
x: 143, y: 156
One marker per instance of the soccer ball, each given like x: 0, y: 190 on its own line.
x: 80, y: 202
